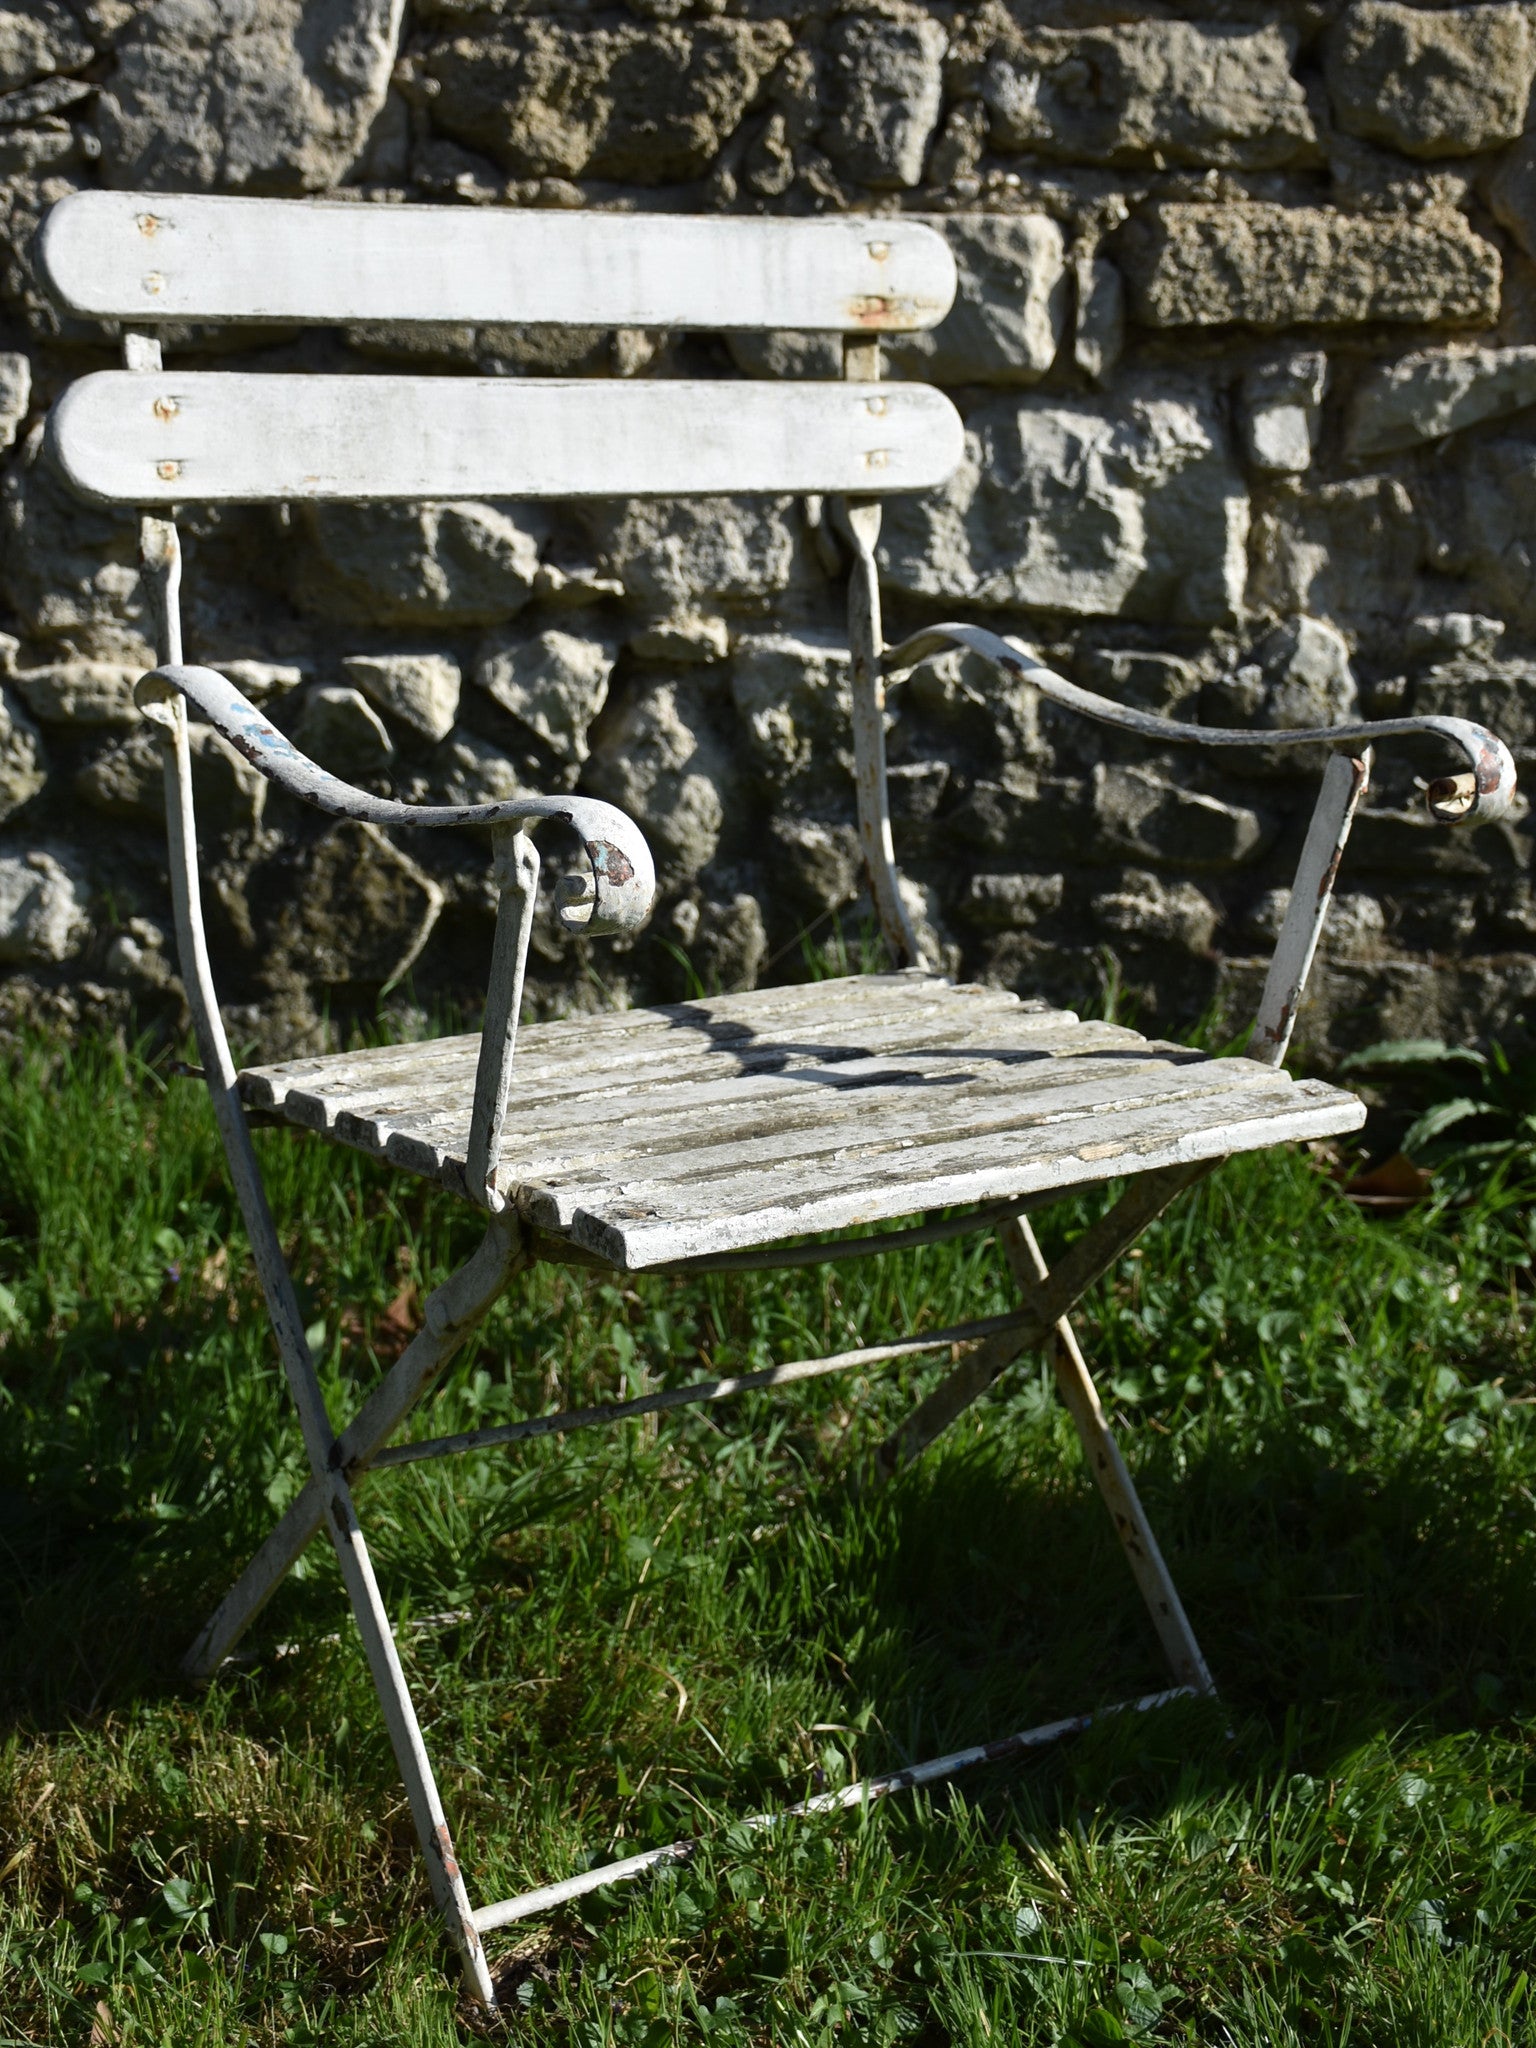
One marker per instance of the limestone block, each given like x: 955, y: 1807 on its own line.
x: 1010, y: 310
x: 686, y: 636
x: 647, y: 102
x: 555, y: 683
x: 677, y: 553
x: 1146, y: 680
x: 915, y: 789
x: 1446, y: 82
x: 1308, y: 678
x: 38, y: 39
x: 1512, y: 193
x: 15, y: 393
x: 1280, y: 402
x: 421, y: 690
x: 729, y: 943
x: 785, y: 353
x: 1190, y: 264
x: 23, y: 762
x: 213, y: 95
x: 81, y: 692
x: 1498, y: 694
x: 128, y: 781
x: 1185, y: 92
x: 466, y: 769
x: 448, y: 565
x: 360, y: 912
x: 1098, y: 331
x: 980, y: 709
x: 1142, y: 813
x: 1128, y: 505
x: 815, y: 866
x: 1444, y: 635
x: 1144, y: 907
x: 42, y: 918
x: 791, y: 692
x: 1437, y: 391
x: 657, y: 761
x: 260, y: 680
x: 1012, y: 901
x: 340, y: 729
x: 1349, y: 550
x: 69, y: 570
x: 883, y: 89
x: 1498, y: 524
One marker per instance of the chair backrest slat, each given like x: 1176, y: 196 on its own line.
x: 177, y: 437
x: 147, y: 257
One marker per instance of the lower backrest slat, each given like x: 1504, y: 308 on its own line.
x: 173, y: 437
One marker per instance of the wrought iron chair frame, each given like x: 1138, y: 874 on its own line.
x: 615, y: 893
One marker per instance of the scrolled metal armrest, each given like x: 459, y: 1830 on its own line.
x: 615, y: 896
x: 1484, y: 790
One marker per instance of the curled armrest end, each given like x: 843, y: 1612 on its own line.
x: 615, y: 895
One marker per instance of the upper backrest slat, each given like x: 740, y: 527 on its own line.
x: 147, y: 257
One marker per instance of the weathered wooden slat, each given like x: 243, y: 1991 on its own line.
x: 1187, y: 1133
x: 907, y: 1127
x: 222, y: 437
x: 800, y: 1115
x: 649, y: 1056
x: 565, y: 1098
x: 720, y: 1019
x: 660, y: 1134
x: 149, y: 257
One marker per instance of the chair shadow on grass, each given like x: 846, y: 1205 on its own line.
x: 973, y: 1598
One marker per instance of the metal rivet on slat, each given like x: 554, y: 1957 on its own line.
x: 875, y: 405
x: 167, y: 471
x: 877, y: 458
x: 154, y: 284
x: 879, y: 250
x: 166, y: 408
x: 147, y: 223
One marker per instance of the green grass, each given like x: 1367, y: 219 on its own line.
x: 655, y: 1630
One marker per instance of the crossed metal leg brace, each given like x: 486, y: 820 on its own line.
x: 455, y: 1309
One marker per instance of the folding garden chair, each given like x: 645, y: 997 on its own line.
x: 716, y: 1133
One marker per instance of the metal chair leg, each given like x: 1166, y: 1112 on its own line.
x: 452, y: 1312
x: 1086, y: 1260
x: 1081, y: 1399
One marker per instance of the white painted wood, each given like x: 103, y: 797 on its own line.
x: 744, y: 1119
x: 207, y: 437
x: 157, y: 256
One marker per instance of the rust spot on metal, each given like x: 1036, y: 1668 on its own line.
x: 168, y: 471
x: 166, y: 408
x: 147, y: 223
x: 442, y: 1842
x: 610, y: 861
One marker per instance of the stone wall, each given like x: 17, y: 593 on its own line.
x: 1246, y: 348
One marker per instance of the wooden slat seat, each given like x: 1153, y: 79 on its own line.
x: 654, y: 1135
